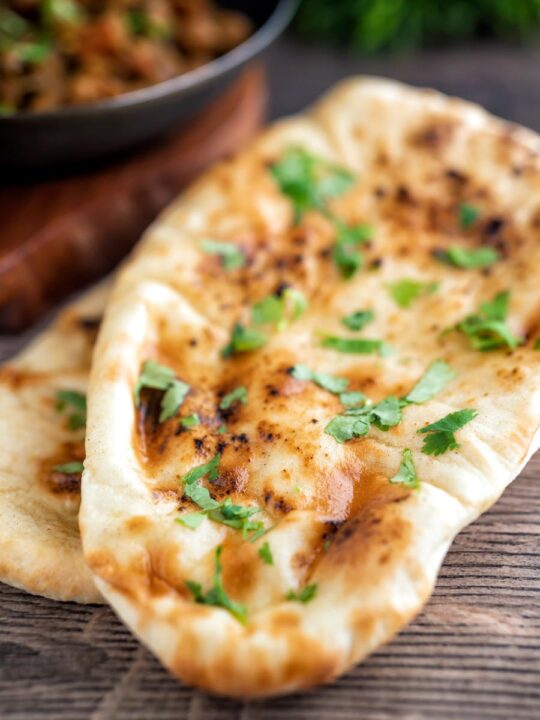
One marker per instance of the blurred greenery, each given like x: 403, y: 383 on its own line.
x: 374, y: 26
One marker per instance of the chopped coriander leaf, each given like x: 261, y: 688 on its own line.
x: 358, y: 320
x: 65, y: 11
x: 487, y: 330
x: 231, y: 256
x: 468, y: 215
x: 473, y: 259
x: 406, y: 475
x: 265, y: 553
x: 308, y: 181
x: 74, y: 403
x: 243, y: 339
x: 360, y: 346
x: 216, y: 596
x: 440, y: 435
x: 331, y: 383
x: 160, y: 377
x: 347, y: 259
x: 172, y: 399
x: 298, y: 301
x: 536, y: 345
x: 190, y: 421
x: 347, y: 427
x: 356, y: 422
x: 210, y: 468
x: 237, y: 517
x: 239, y: 394
x: 385, y: 414
x: 353, y: 397
x: 306, y: 594
x: 432, y: 382
x: 12, y: 24
x: 279, y: 309
x: 196, y: 589
x: 222, y: 429
x: 268, y: 311
x: 33, y: 53
x: 70, y: 468
x: 153, y: 375
x: 191, y: 520
x: 345, y: 253
x: 405, y: 292
x: 200, y: 496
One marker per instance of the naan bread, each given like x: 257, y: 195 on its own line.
x: 359, y: 546
x: 40, y: 548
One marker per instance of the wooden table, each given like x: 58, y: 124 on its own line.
x: 473, y: 654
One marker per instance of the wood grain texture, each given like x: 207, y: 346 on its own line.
x: 473, y: 654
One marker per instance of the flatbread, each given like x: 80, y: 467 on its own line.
x: 355, y: 549
x: 40, y: 549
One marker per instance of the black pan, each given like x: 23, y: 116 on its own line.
x: 75, y: 135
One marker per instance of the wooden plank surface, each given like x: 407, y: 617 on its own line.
x: 473, y: 653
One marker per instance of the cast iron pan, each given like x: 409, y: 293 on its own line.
x: 45, y: 141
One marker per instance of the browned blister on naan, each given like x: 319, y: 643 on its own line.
x: 353, y: 555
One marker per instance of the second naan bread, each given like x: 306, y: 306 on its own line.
x: 42, y: 419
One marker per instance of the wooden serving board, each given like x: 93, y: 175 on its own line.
x: 57, y: 236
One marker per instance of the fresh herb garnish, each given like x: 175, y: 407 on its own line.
x: 268, y: 311
x: 12, y: 24
x: 239, y: 394
x: 200, y: 496
x: 265, y: 553
x: 432, y: 382
x: 33, y: 53
x: 361, y: 346
x: 405, y: 292
x: 216, y: 596
x: 280, y: 309
x: 468, y: 215
x: 243, y: 339
x: 191, y: 520
x: 231, y: 256
x: 356, y: 422
x: 65, y: 11
x: 309, y: 181
x: 73, y: 403
x: 358, y: 320
x: 345, y: 253
x: 487, y: 330
x: 160, y: 377
x: 440, y: 435
x: 226, y: 512
x: 385, y: 414
x: 406, y: 475
x: 237, y: 517
x: 70, y: 468
x: 473, y: 259
x: 210, y: 468
x: 536, y: 345
x: 352, y: 397
x: 306, y: 594
x: 331, y: 383
x: 190, y: 421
